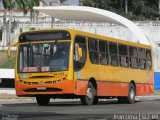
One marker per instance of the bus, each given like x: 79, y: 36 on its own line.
x: 68, y: 63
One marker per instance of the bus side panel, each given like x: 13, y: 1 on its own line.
x: 143, y: 89
x: 103, y: 88
x: 147, y: 88
x: 81, y: 87
x: 112, y: 89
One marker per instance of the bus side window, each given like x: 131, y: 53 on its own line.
x: 81, y: 42
x: 148, y: 60
x: 142, y: 58
x: 113, y: 53
x: 123, y: 55
x: 133, y: 57
x: 93, y: 50
x: 103, y: 52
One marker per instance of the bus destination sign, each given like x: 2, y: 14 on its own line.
x: 44, y: 36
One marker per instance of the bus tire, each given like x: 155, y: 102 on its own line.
x: 43, y: 100
x: 89, y: 98
x: 130, y: 99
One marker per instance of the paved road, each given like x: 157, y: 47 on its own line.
x: 145, y: 108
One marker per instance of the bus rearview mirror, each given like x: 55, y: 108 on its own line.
x: 79, y: 52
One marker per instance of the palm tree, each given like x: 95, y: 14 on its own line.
x: 8, y: 5
x: 31, y: 4
x: 22, y: 5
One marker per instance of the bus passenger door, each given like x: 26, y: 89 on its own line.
x: 79, y: 56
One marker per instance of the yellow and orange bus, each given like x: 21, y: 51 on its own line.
x: 67, y: 63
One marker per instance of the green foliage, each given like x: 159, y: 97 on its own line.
x: 137, y: 9
x: 21, y: 30
x: 32, y: 28
x: 8, y: 4
x: 22, y: 5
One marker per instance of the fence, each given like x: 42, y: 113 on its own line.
x: 71, y: 23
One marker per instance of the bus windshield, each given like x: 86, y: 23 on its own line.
x: 44, y: 57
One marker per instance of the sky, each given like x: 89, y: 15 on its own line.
x: 70, y: 2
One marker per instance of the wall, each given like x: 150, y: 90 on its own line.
x: 157, y: 81
x: 151, y: 28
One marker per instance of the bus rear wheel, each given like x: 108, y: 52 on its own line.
x: 131, y: 94
x: 43, y: 100
x: 89, y: 98
x: 130, y: 99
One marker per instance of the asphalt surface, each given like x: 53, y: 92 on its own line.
x: 145, y: 108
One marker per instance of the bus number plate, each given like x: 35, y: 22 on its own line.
x: 41, y: 88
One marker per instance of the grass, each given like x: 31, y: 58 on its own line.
x: 6, y: 62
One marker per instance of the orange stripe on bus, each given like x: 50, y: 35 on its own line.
x: 112, y: 89
x: 67, y: 87
x: 79, y: 87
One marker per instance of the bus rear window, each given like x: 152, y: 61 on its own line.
x: 44, y: 36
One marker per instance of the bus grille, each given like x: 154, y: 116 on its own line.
x: 47, y: 90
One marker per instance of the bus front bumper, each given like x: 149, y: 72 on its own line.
x: 61, y: 88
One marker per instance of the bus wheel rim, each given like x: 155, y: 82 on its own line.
x: 132, y: 94
x: 89, y: 93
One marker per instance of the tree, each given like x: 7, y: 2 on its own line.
x: 159, y: 6
x: 22, y: 5
x: 144, y: 9
x: 8, y: 5
x: 31, y: 4
x: 132, y: 9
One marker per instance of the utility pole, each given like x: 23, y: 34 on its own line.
x: 126, y: 6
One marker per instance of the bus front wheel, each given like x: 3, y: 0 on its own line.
x: 43, y: 100
x: 89, y: 98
